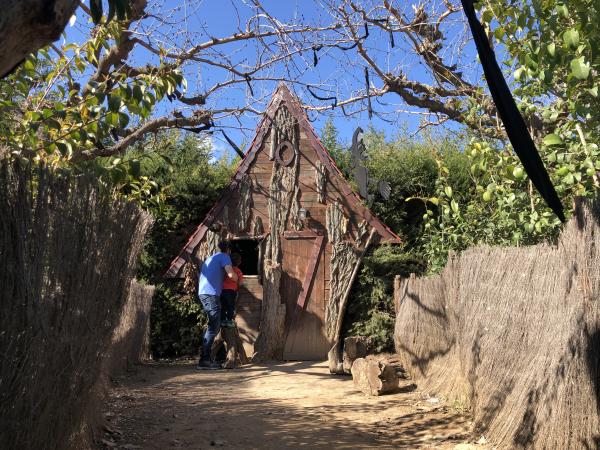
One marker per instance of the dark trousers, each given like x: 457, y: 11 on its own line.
x: 228, y: 304
x: 212, y: 307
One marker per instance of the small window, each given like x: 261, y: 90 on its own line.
x: 248, y: 249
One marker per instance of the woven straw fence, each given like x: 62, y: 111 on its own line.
x: 513, y: 334
x: 130, y: 343
x: 68, y: 252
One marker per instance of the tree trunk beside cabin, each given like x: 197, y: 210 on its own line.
x: 283, y: 206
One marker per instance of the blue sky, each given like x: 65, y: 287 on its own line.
x: 195, y: 21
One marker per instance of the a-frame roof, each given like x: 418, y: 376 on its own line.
x: 282, y: 95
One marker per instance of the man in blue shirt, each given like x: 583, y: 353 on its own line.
x: 212, y: 273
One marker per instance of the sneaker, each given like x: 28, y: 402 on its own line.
x: 207, y: 365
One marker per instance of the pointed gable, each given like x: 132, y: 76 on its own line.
x: 243, y: 207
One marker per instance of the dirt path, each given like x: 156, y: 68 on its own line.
x: 278, y: 406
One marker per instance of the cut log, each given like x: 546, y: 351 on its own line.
x: 230, y: 337
x: 375, y: 375
x: 354, y: 347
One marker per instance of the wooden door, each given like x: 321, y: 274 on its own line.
x: 248, y: 308
x: 303, y: 292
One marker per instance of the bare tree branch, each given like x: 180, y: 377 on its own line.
x: 199, y: 119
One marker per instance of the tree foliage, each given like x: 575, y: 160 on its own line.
x: 553, y: 49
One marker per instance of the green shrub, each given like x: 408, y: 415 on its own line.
x: 177, y: 322
x: 371, y: 304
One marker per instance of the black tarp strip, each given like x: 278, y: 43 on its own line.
x: 515, y: 126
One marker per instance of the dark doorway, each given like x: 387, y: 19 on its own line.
x: 248, y: 248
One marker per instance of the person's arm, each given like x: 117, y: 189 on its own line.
x: 231, y: 273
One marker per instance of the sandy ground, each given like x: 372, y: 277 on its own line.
x: 276, y: 406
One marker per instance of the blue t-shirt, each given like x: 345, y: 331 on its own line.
x: 212, y: 273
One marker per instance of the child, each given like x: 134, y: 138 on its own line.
x: 229, y: 293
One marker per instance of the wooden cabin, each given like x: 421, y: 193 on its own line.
x: 301, y: 231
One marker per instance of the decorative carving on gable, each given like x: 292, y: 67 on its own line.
x: 225, y: 219
x: 209, y: 246
x: 244, y: 210
x: 284, y: 127
x: 337, y: 223
x: 257, y: 227
x: 321, y: 181
x: 285, y: 153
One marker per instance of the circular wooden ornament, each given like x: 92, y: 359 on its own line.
x: 285, y: 160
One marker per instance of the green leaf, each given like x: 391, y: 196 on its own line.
x: 123, y: 120
x: 112, y: 119
x: 530, y: 62
x: 137, y: 93
x: 65, y: 148
x: 114, y: 102
x: 117, y: 175
x: 551, y: 47
x: 134, y: 168
x: 487, y: 15
x: 563, y: 11
x: 448, y: 191
x: 519, y: 73
x: 454, y: 205
x: 29, y: 65
x: 569, y: 179
x: 552, y: 139
x: 499, y: 33
x: 571, y: 38
x: 579, y: 68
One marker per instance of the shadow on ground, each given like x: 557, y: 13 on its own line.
x: 278, y: 406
